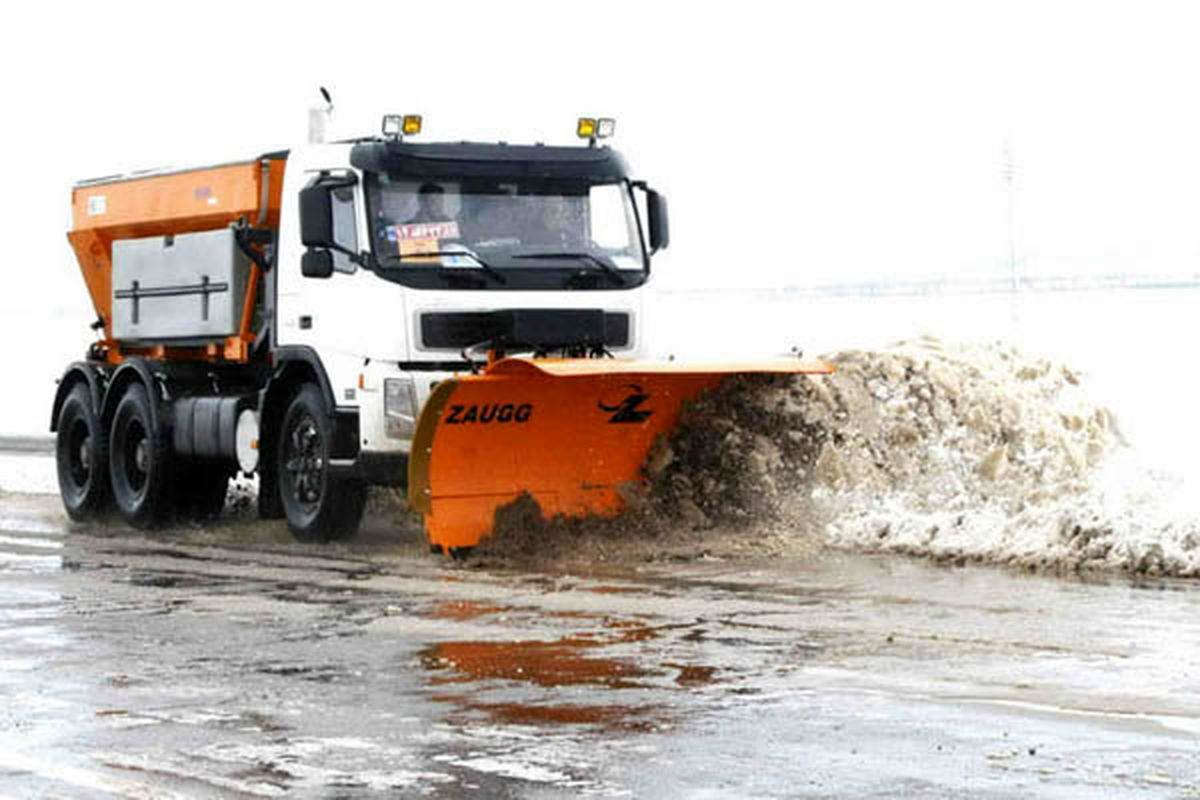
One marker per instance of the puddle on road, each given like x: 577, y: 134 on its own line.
x: 551, y: 666
x: 543, y: 663
x: 461, y: 610
x: 21, y: 522
x: 614, y: 589
x: 316, y: 673
x: 630, y: 630
x: 31, y: 541
x: 25, y: 548
x: 310, y: 766
x: 610, y: 716
x: 169, y: 579
x: 552, y: 680
x: 694, y: 675
x: 35, y: 564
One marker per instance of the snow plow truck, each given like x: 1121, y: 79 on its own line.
x: 466, y: 320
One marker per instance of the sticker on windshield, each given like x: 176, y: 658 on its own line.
x: 417, y: 238
x: 415, y: 247
x: 424, y: 230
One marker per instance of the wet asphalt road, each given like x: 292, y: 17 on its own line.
x: 231, y: 662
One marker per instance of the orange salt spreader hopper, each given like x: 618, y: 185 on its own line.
x: 106, y: 210
x: 569, y: 433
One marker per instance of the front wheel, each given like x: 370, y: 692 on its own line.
x: 319, y: 507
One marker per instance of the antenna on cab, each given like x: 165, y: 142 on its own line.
x: 319, y: 118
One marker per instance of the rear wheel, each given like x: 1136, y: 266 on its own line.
x: 318, y: 505
x: 137, y: 460
x: 81, y: 453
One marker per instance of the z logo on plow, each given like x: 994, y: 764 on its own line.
x: 627, y: 410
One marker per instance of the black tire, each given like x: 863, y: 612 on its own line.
x: 138, y: 461
x: 81, y: 453
x: 319, y: 507
x: 270, y: 506
x: 198, y: 490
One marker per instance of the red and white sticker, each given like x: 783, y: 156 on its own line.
x: 426, y: 230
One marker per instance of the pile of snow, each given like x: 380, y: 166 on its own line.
x: 982, y: 453
x: 955, y: 452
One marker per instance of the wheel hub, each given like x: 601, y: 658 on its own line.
x: 141, y: 457
x: 305, y: 462
x: 79, y: 454
x: 85, y: 454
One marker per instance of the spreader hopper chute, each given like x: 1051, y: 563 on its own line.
x: 569, y: 433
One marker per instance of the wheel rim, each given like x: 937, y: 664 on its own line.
x: 135, y: 456
x: 304, y: 462
x: 79, y: 454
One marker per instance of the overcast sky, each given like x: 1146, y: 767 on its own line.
x: 798, y: 143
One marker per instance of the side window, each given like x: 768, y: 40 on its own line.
x: 609, y: 228
x: 345, y: 230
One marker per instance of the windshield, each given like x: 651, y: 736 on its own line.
x: 518, y: 233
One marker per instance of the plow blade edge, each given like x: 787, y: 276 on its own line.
x: 569, y: 433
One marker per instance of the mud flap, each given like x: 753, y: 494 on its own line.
x: 569, y: 433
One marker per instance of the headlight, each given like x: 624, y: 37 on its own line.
x: 399, y: 408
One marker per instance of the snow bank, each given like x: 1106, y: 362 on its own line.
x: 977, y: 453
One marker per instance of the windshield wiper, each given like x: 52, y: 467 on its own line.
x: 587, y: 258
x: 488, y: 269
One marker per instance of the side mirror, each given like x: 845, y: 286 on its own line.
x: 316, y: 264
x: 660, y: 229
x: 316, y: 209
x: 316, y: 215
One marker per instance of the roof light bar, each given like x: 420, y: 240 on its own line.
x: 396, y: 126
x: 593, y: 128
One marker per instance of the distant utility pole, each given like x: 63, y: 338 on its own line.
x: 1008, y: 171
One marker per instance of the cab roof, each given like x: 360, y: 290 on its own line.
x: 489, y: 160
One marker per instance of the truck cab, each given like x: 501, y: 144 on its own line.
x: 403, y: 263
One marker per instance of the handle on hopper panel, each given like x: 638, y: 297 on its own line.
x: 245, y: 236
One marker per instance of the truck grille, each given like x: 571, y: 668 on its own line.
x: 539, y: 328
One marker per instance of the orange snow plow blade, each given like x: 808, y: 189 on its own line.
x: 569, y: 433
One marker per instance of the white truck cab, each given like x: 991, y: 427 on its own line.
x: 432, y: 248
